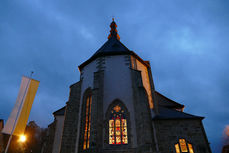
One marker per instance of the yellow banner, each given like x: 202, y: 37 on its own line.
x: 25, y: 109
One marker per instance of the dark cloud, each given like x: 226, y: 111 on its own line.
x: 185, y: 41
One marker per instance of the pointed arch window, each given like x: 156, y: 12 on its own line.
x: 182, y: 146
x: 118, y: 126
x: 87, y: 125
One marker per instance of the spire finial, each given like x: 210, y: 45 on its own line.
x: 113, y: 31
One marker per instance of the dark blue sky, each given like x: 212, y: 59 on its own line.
x: 185, y: 41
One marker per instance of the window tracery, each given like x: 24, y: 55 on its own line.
x: 182, y: 146
x: 118, y: 126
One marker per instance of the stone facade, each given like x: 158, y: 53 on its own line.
x: 142, y: 115
x: 170, y: 131
x: 149, y: 122
x: 68, y: 143
x: 48, y: 145
x: 97, y: 112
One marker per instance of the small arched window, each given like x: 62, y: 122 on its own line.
x: 87, y: 125
x: 118, y: 126
x: 182, y: 146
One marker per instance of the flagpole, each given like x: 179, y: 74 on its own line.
x: 31, y: 74
x: 11, y: 134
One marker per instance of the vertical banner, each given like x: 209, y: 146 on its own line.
x: 17, y: 121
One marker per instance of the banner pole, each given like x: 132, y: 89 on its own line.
x: 31, y: 74
x: 8, y: 143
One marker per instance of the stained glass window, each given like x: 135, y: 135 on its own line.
x: 87, y: 123
x: 183, y: 145
x: 190, y: 148
x: 177, y: 148
x: 118, y: 126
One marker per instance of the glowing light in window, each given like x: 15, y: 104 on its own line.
x: 183, y: 145
x: 111, y: 132
x: 117, y: 108
x: 118, y: 127
x: 177, y: 148
x: 190, y: 148
x: 87, y: 124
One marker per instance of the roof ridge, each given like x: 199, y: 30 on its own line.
x: 166, y: 113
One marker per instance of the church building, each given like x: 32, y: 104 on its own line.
x: 115, y: 108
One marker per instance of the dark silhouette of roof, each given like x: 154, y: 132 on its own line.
x: 112, y: 46
x: 166, y: 102
x: 225, y: 149
x: 60, y: 111
x: 166, y: 113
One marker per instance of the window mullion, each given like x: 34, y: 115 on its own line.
x: 179, y: 146
x: 187, y: 146
x: 115, y: 130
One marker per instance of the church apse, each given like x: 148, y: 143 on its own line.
x: 115, y: 108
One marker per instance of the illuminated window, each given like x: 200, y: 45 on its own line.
x: 118, y: 126
x: 87, y: 124
x: 190, y: 148
x: 182, y: 147
x: 177, y: 148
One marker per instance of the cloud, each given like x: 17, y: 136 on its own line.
x: 185, y: 41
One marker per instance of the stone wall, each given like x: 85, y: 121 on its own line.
x: 96, y: 130
x: 48, y: 144
x: 142, y: 114
x: 58, y: 133
x: 69, y: 136
x: 96, y: 139
x: 169, y: 131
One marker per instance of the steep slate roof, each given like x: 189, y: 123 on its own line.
x: 112, y: 46
x: 165, y: 113
x: 60, y: 111
x: 166, y: 102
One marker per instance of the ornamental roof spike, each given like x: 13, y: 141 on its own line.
x: 113, y: 31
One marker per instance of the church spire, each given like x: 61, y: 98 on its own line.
x: 113, y: 31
